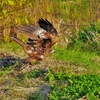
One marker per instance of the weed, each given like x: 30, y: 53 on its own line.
x: 34, y: 74
x: 72, y: 87
x: 87, y: 39
x: 77, y: 57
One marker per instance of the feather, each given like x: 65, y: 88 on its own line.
x: 40, y: 39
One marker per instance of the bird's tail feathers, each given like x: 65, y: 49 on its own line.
x: 18, y: 41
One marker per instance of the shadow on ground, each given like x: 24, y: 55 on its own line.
x: 18, y: 65
x: 7, y: 61
x: 14, y: 62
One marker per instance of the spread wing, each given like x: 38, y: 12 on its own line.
x: 46, y: 25
x: 32, y: 31
x: 36, y: 32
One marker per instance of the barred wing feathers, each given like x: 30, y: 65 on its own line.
x: 33, y: 31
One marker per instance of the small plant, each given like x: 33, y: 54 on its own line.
x: 72, y: 87
x: 34, y: 74
x: 87, y: 39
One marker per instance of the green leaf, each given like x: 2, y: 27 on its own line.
x: 11, y: 2
x: 4, y: 12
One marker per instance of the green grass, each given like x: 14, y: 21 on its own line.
x: 79, y: 58
x: 66, y: 86
x: 11, y: 46
x: 70, y: 74
x: 73, y: 87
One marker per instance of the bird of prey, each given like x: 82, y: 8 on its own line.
x: 40, y: 39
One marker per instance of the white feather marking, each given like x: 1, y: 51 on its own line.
x: 41, y: 56
x: 52, y: 51
x: 29, y: 51
x: 40, y: 33
x: 32, y: 48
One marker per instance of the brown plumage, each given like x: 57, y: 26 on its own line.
x: 40, y: 39
x: 35, y: 53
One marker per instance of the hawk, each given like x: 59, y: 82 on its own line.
x: 40, y: 40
